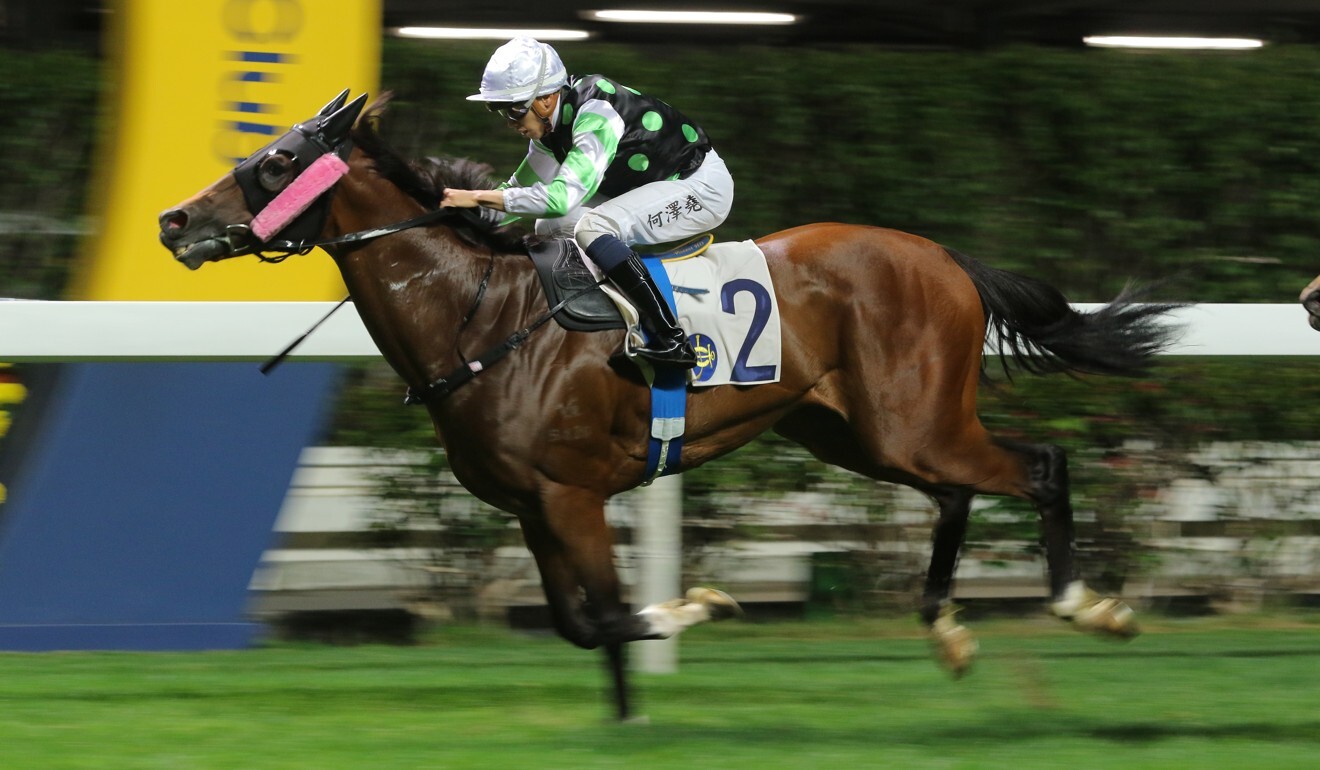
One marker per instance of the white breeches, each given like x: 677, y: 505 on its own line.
x: 660, y: 212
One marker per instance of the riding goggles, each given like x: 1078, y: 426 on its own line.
x: 510, y: 111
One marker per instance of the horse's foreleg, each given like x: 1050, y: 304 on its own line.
x: 581, y: 583
x: 955, y: 647
x: 574, y: 620
x: 1071, y: 599
x: 574, y: 549
x: 577, y: 518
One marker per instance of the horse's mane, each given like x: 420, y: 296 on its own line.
x: 425, y: 180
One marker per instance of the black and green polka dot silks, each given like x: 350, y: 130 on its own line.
x: 650, y: 141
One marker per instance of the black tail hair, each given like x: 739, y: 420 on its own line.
x: 1038, y: 331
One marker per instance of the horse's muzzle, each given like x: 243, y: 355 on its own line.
x: 196, y: 254
x: 1311, y: 301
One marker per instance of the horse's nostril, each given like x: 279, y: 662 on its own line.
x: 173, y: 221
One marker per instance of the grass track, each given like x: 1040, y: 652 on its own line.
x: 1203, y: 694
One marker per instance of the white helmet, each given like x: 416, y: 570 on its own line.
x: 519, y: 71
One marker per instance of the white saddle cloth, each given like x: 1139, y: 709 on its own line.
x: 727, y: 305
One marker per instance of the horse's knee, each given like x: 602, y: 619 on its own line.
x: 573, y: 624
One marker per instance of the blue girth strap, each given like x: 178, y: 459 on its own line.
x: 668, y: 397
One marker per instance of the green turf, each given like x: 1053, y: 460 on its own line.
x: 1191, y: 694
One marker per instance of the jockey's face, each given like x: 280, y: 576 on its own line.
x: 532, y: 124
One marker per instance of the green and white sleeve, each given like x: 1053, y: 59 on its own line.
x: 543, y: 188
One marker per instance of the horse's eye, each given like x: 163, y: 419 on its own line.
x: 275, y: 171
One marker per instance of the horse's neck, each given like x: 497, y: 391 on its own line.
x: 414, y: 289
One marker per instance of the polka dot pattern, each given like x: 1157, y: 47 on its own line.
x: 651, y: 140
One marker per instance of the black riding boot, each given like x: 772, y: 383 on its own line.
x: 667, y: 344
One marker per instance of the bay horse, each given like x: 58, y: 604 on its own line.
x: 882, y: 341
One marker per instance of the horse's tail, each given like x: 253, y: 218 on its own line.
x: 1036, y: 328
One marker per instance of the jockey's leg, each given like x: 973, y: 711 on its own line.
x: 560, y: 227
x: 666, y: 343
x: 659, y: 212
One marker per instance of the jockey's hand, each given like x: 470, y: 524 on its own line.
x: 468, y: 199
x: 462, y: 199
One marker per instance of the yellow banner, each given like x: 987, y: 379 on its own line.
x: 195, y: 87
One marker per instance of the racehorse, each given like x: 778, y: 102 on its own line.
x: 1310, y: 299
x: 882, y: 341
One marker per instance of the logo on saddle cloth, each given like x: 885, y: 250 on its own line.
x: 724, y: 298
x: 707, y: 357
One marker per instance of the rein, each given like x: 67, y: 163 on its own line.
x: 243, y: 241
x: 461, y: 375
x: 464, y: 373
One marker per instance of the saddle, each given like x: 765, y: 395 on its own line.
x: 563, y: 275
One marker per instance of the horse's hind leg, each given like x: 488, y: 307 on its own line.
x: 1039, y: 473
x: 966, y: 462
x: 954, y: 645
x: 1071, y: 599
x: 829, y: 438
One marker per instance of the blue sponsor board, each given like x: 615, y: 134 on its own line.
x: 141, y: 498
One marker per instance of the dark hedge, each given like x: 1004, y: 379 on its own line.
x: 1084, y: 168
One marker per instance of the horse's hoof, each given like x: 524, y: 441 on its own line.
x: 1088, y: 611
x: 720, y: 605
x: 955, y: 647
x: 1108, y: 617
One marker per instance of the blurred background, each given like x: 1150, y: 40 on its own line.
x: 991, y: 127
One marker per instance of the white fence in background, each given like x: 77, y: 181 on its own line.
x: 33, y: 331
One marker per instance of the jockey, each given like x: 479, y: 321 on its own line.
x: 611, y: 167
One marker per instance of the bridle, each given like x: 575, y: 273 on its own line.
x: 242, y: 241
x: 304, y: 147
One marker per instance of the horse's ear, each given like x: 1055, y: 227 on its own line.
x: 377, y: 107
x: 336, y: 126
x: 334, y: 104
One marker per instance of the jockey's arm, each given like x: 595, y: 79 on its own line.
x: 526, y: 175
x: 544, y: 187
x: 468, y: 199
